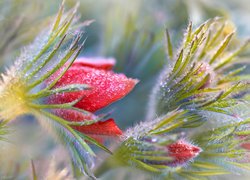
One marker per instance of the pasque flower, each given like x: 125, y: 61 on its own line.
x: 106, y: 87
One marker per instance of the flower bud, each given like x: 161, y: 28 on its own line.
x: 182, y: 152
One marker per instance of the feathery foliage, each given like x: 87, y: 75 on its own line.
x: 23, y: 90
x: 199, y: 77
x: 199, y: 98
x: 198, y: 119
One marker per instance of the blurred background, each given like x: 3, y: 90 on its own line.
x: 133, y: 32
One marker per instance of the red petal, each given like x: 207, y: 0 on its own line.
x: 107, y: 87
x: 107, y: 127
x: 97, y: 63
x: 72, y: 115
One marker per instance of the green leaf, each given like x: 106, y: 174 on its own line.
x: 81, y: 154
x: 216, y: 36
x: 169, y: 45
x: 56, y: 106
x: 228, y: 59
x: 70, y: 54
x: 154, y: 158
x: 178, y: 61
x: 63, y: 89
x: 48, y: 59
x: 34, y: 174
x: 206, y: 165
x: 168, y: 128
x: 168, y: 119
x: 67, y: 66
x: 69, y: 129
x: 60, y: 32
x: 221, y: 47
x: 207, y: 173
x: 188, y: 34
x: 243, y: 133
x: 146, y: 166
x: 93, y: 141
x: 241, y: 165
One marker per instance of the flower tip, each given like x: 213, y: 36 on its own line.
x: 116, y: 131
x: 131, y: 83
x: 136, y: 81
x: 196, y: 149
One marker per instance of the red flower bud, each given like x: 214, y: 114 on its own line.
x: 106, y: 88
x: 182, y: 152
x: 244, y: 145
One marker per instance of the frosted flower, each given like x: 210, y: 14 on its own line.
x: 106, y: 87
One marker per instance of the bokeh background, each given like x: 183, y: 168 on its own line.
x: 131, y: 31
